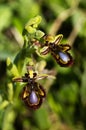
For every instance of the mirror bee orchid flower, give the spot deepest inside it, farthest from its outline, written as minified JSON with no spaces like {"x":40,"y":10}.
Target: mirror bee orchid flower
{"x":33,"y":93}
{"x":59,"y":51}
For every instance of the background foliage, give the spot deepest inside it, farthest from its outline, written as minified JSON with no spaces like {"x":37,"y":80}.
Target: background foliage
{"x":65,"y":105}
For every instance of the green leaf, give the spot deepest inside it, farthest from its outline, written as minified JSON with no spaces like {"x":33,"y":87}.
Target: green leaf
{"x":41,"y":118}
{"x":4,"y":104}
{"x":27,"y":9}
{"x":54,"y":105}
{"x":69,"y":93}
{"x":57,"y":6}
{"x":8,"y":48}
{"x":5,"y":17}
{"x":78,"y":20}
{"x":8,"y":119}
{"x":12,"y":68}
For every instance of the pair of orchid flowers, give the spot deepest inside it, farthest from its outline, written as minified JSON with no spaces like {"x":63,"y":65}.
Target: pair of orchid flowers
{"x":33,"y":93}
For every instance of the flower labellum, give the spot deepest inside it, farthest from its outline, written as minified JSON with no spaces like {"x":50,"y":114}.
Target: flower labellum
{"x":64,"y":56}
{"x":33,"y":98}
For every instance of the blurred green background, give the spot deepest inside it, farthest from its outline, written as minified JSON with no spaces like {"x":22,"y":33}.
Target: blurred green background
{"x":65,"y":105}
